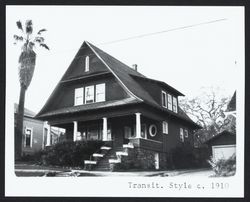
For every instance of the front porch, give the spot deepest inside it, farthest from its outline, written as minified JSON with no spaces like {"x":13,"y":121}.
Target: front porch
{"x":136,"y":129}
{"x":129,"y":138}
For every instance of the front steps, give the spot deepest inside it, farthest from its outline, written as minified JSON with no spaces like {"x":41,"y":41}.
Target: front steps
{"x":107,"y":156}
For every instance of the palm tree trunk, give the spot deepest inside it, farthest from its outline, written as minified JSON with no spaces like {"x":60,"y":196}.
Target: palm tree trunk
{"x":19,"y":126}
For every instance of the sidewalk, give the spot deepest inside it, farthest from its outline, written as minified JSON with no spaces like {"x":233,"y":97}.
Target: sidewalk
{"x":32,"y":170}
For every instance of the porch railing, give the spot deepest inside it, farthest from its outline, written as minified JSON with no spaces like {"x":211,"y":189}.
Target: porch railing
{"x":146,"y":143}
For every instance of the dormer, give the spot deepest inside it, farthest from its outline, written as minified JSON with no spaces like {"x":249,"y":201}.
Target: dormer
{"x":169,"y":101}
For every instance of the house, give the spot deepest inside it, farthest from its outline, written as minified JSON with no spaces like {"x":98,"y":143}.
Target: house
{"x":223,"y":145}
{"x":35,"y":133}
{"x":100,"y":98}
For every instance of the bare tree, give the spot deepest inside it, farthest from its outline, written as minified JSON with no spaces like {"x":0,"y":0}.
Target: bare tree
{"x":207,"y":110}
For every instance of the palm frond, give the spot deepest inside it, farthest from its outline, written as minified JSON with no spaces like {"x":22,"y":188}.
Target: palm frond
{"x":29,"y":26}
{"x":18,"y":38}
{"x":39,"y":39}
{"x":41,"y":30}
{"x":19,"y":25}
{"x":44,"y":45}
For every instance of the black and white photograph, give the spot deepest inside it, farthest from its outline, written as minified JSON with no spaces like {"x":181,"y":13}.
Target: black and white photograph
{"x":136,"y":101}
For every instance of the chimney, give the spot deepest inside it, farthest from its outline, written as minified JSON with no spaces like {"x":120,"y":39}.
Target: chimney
{"x":134,"y":66}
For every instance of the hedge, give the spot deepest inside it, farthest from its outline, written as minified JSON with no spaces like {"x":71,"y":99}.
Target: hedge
{"x":68,"y":153}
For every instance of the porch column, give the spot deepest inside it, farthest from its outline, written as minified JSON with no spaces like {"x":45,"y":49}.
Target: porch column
{"x":105,"y":129}
{"x":138,"y":125}
{"x":48,"y":143}
{"x":75,"y":131}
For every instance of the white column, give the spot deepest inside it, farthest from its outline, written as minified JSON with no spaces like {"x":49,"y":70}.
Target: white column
{"x":48,"y":143}
{"x":138,"y":125}
{"x":75,"y":131}
{"x":105,"y":129}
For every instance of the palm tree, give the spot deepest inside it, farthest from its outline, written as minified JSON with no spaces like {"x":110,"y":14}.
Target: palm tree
{"x":27,"y":61}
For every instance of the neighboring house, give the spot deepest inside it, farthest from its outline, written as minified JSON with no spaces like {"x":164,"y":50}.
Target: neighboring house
{"x":33,"y":129}
{"x":223,"y":145}
{"x":100,"y":98}
{"x":35,"y":133}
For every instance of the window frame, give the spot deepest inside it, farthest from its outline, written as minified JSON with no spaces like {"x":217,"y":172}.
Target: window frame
{"x":75,"y":100}
{"x":104,"y":92}
{"x":85,"y":95}
{"x":164,"y":94}
{"x":186,"y":133}
{"x":175,"y":104}
{"x":170,"y":102}
{"x":181,"y":134}
{"x":150,"y":130}
{"x":165,"y":127}
{"x":31,"y":137}
{"x":86,"y":64}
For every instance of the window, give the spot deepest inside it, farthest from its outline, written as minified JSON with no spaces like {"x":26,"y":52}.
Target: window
{"x":181,"y":135}
{"x":28,"y":137}
{"x":175,"y":104}
{"x":87,"y":64}
{"x":100,"y":93}
{"x":164,"y":99}
{"x":78,"y":96}
{"x":165,"y":127}
{"x":152,"y":130}
{"x":89,"y":94}
{"x":186,"y":133}
{"x":170,"y":102}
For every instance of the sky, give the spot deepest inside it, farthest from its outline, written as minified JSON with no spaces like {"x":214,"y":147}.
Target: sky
{"x":202,"y":46}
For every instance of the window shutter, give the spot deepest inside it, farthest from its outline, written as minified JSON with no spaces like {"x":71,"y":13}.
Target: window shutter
{"x":170,"y":102}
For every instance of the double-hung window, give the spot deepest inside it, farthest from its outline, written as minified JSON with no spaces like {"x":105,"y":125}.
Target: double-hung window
{"x":89,"y":94}
{"x":28,"y":137}
{"x":186,"y":133}
{"x":170,"y":102}
{"x":79,"y":96}
{"x":100,"y":93}
{"x":175,"y":104}
{"x":165,"y":127}
{"x":181,"y":135}
{"x":164,"y":99}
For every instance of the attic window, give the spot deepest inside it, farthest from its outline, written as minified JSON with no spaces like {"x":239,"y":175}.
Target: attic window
{"x":87,"y":64}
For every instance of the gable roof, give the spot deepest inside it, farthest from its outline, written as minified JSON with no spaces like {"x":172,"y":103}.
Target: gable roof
{"x":223,"y":133}
{"x":232,"y":104}
{"x":27,"y":112}
{"x":126,"y":77}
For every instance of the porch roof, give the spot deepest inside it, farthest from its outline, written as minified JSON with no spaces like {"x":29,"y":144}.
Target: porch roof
{"x":92,"y":106}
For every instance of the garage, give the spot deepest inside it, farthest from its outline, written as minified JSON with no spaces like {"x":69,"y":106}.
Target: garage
{"x":223,"y":151}
{"x":222,"y":145}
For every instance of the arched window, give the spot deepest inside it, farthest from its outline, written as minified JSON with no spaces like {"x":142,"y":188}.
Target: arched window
{"x":87,"y":64}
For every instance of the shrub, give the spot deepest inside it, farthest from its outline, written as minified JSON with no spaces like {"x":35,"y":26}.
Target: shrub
{"x":69,"y":153}
{"x":224,"y":167}
{"x":186,"y":156}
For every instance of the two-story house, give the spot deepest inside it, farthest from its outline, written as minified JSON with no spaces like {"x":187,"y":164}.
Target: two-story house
{"x":100,"y":98}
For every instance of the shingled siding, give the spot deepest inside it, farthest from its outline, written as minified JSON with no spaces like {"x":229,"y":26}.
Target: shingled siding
{"x":77,"y":67}
{"x":65,"y":98}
